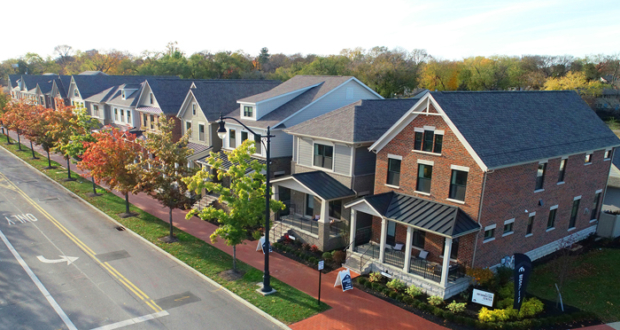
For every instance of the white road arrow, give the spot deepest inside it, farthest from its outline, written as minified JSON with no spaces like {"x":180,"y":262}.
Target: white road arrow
{"x":69,"y":260}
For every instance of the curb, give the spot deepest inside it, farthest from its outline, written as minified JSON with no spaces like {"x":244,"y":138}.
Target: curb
{"x":199,"y":274}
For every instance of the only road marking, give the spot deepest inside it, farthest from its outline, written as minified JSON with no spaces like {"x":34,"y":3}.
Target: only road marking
{"x":69,"y":260}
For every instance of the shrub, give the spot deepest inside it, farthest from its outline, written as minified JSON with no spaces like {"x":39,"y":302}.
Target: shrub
{"x":257,"y":234}
{"x":449,"y":316}
{"x":314,"y":249}
{"x":368,"y":284}
{"x":503,"y":275}
{"x":470,"y":322}
{"x":297,"y":253}
{"x":437,"y":311}
{"x":377,"y":286}
{"x":482,"y":276}
{"x":392,"y":294}
{"x":386,"y":291}
{"x":496,"y":315}
{"x":339,"y":256}
{"x":408,"y":300}
{"x":361,"y":280}
{"x":327,"y":256}
{"x":465,"y":295}
{"x":413,"y":291}
{"x":305,"y":246}
{"x":531,"y":307}
{"x":505,"y":303}
{"x":455,"y":307}
{"x":506,"y":291}
{"x":435,"y":300}
{"x":297,"y":242}
{"x":375,"y":277}
{"x":460,"y":319}
{"x":314,"y":260}
{"x":400,"y":297}
{"x":396,"y":285}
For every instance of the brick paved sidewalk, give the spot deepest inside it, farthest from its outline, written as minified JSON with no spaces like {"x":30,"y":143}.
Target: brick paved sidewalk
{"x":353,"y":309}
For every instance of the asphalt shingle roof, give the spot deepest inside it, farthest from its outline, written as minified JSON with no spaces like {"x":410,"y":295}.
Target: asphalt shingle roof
{"x":325,"y":85}
{"x":226,"y":164}
{"x":361,"y":121}
{"x":442,"y":219}
{"x":89,"y":85}
{"x":506,"y":128}
{"x":169,"y":93}
{"x":220,"y":96}
{"x":291,"y":85}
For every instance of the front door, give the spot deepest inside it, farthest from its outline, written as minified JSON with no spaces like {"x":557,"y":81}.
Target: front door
{"x":309,"y":206}
{"x":391,"y":233}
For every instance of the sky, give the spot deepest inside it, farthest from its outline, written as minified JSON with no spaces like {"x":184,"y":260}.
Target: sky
{"x":445,"y":29}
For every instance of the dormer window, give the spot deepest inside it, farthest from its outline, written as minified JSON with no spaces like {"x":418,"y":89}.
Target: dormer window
{"x":248,"y":111}
{"x":123,"y":94}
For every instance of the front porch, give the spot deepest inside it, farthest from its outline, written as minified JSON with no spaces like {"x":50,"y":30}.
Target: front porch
{"x":415,"y":240}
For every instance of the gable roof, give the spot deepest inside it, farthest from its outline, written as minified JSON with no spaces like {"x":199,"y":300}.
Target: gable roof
{"x":89,"y":85}
{"x":442,"y":219}
{"x":502,"y":129}
{"x":13,"y":80}
{"x":44,"y":82}
{"x":324,"y":85}
{"x":169,"y":93}
{"x":219,"y":96}
{"x":294,"y":84}
{"x":361,"y":121}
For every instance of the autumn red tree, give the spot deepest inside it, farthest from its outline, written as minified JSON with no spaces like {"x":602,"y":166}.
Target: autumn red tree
{"x":16,"y":118}
{"x":63,"y":126}
{"x":107,"y":160}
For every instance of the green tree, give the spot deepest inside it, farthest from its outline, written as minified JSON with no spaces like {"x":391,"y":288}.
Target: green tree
{"x":574,"y":81}
{"x":263,"y":57}
{"x":161,"y":176}
{"x":245,"y":198}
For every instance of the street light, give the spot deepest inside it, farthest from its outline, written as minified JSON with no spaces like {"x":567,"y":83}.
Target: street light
{"x":221,"y":132}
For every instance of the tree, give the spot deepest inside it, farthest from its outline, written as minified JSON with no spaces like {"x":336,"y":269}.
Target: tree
{"x":574,"y":81}
{"x":15,"y":118}
{"x":245,"y":198}
{"x":263,"y":57}
{"x":108,"y":159}
{"x":161,"y":175}
{"x":38,"y":131}
{"x":64,"y":127}
{"x":35,"y":127}
{"x":4,"y":108}
{"x":81,"y":137}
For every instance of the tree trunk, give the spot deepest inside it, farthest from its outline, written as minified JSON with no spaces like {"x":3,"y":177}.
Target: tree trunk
{"x":170,"y":213}
{"x":234,"y":258}
{"x":19,"y":142}
{"x":49,"y":161}
{"x":32,"y":148}
{"x":94,"y":186}
{"x":68,"y":169}
{"x":127,"y":203}
{"x":7,"y":137}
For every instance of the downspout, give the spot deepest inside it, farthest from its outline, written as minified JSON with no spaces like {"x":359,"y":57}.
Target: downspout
{"x":484,"y":184}
{"x":611,"y":164}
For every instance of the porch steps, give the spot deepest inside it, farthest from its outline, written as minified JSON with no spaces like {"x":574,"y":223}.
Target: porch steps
{"x":354,"y":263}
{"x":278,"y":231}
{"x":204,"y":202}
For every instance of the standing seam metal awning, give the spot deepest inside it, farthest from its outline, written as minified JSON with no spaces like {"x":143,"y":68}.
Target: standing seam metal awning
{"x":321,"y":184}
{"x":442,"y":219}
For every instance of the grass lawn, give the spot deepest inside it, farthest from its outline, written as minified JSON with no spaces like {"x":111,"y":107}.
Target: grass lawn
{"x":591,"y":285}
{"x":288,"y":305}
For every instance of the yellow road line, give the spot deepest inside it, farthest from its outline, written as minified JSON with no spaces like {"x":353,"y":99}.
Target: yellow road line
{"x":122,"y":279}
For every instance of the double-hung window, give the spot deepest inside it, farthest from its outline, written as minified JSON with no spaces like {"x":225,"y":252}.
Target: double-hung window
{"x":232,"y":139}
{"x":96,"y":110}
{"x":458,"y":185}
{"x":129,"y":116}
{"x":152,"y":122}
{"x":244,"y":136}
{"x":607,"y":154}
{"x":428,"y":140}
{"x":551,"y":219}
{"x":489,"y":233}
{"x":540,"y":176}
{"x":597,"y":200}
{"x":248,"y":111}
{"x":530,"y":224}
{"x":116,"y":114}
{"x":122,"y":115}
{"x":562,"y":170}
{"x":194,"y":109}
{"x":323,"y":156}
{"x":144,"y":120}
{"x":393,"y":173}
{"x":257,"y":143}
{"x":335,"y":209}
{"x":425,"y":174}
{"x":574,"y":212}
{"x":418,"y":238}
{"x":508,"y":227}
{"x":201,"y":132}
{"x":188,"y":126}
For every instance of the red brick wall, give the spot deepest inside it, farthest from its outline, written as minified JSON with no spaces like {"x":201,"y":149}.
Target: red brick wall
{"x":510,"y":191}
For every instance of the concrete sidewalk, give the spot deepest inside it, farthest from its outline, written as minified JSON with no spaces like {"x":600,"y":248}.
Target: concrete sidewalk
{"x":353,"y":309}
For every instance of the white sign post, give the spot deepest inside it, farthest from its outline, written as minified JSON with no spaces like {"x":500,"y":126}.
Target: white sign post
{"x":483,"y":298}
{"x":344,"y":279}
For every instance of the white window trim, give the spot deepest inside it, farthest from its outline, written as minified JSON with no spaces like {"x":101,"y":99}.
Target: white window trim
{"x":418,"y":129}
{"x":610,"y":153}
{"x":253,"y":116}
{"x":598,"y":191}
{"x":539,"y":190}
{"x":590,"y":162}
{"x":228,"y":129}
{"x":127,"y":115}
{"x":576,"y":198}
{"x":493,"y":226}
{"x":398,"y":157}
{"x":544,"y":161}
{"x":459,"y":168}
{"x":325,"y":143}
{"x":550,"y":229}
{"x":194,"y":108}
{"x":455,"y":201}
{"x":244,"y":131}
{"x":572,"y":228}
{"x":533,"y":214}
{"x":185,"y":127}
{"x":422,"y":193}
{"x":392,"y":186}
{"x":428,"y":128}
{"x":554,"y":207}
{"x":426,"y":162}
{"x":529,"y":235}
{"x":507,"y":222}
{"x":561,"y":182}
{"x":427,"y":152}
{"x":198,"y":132}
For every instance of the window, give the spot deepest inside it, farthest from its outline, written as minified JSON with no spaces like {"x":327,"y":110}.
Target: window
{"x":194,"y":109}
{"x":458,"y":185}
{"x":551,"y":220}
{"x":309,"y":205}
{"x":417,"y":145}
{"x":562,"y":170}
{"x":75,"y":93}
{"x":144,"y":119}
{"x":607,"y":154}
{"x":425,"y":173}
{"x":129,"y":116}
{"x":152,"y":121}
{"x":232,"y":139}
{"x":188,"y":126}
{"x":244,"y":136}
{"x":588,"y":158}
{"x":42,"y":101}
{"x":151,"y":98}
{"x":455,"y":248}
{"x":335,"y":208}
{"x":122,"y":115}
{"x":115,"y":114}
{"x":597,"y":199}
{"x":323,"y":156}
{"x":530,"y":224}
{"x":123,"y":94}
{"x":96,"y":110}
{"x":393,"y":174}
{"x":418,"y":238}
{"x":248,"y":111}
{"x":573,"y":213}
{"x":428,"y":141}
{"x":508,"y":227}
{"x":201,"y":132}
{"x":257,"y":143}
{"x":489,"y":233}
{"x":540,"y":176}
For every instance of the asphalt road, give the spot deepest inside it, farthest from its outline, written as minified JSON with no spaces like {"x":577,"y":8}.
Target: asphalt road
{"x":64,"y":266}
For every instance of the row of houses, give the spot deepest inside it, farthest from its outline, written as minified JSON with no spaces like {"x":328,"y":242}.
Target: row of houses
{"x":417,"y":188}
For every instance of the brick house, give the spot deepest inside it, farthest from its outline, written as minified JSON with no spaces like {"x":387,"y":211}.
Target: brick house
{"x":470,"y":178}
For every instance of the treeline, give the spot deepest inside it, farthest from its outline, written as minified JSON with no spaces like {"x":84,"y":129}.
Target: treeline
{"x":388,"y":71}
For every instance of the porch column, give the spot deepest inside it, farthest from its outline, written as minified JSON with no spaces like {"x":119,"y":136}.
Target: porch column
{"x":383,"y":238}
{"x":324,"y":212}
{"x":324,"y":226}
{"x":353,"y":228}
{"x":446,"y":262}
{"x":274,"y":192}
{"x":408,"y":249}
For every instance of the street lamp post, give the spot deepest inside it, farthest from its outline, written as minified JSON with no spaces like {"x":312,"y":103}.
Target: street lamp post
{"x":221,"y":132}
